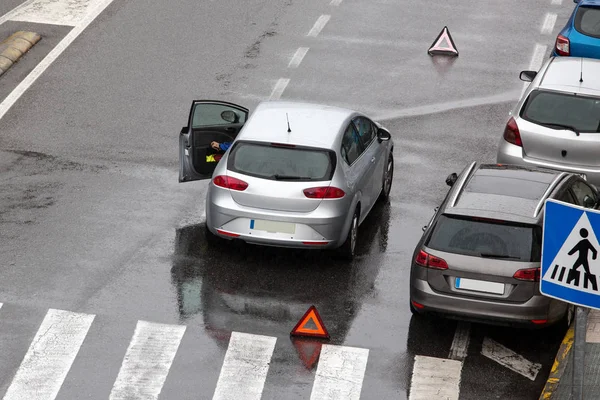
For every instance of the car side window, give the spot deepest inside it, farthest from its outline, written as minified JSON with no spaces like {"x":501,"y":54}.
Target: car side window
{"x":567,"y":197}
{"x":581,"y":189}
{"x":365,"y":130}
{"x":351,"y":145}
{"x":215,"y":115}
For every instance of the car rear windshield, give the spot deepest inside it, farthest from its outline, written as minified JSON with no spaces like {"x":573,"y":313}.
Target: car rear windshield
{"x":558,"y":110}
{"x":486,"y":238}
{"x":587,"y":21}
{"x":282,"y":162}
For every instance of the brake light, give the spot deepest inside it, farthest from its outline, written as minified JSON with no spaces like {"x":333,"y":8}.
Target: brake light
{"x":427,"y":260}
{"x":229,"y":182}
{"x":324,"y":192}
{"x":531,"y":274}
{"x":563,"y":46}
{"x":512,"y":134}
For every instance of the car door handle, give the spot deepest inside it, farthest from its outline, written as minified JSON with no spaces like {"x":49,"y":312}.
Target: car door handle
{"x":230,"y":129}
{"x":373,"y":159}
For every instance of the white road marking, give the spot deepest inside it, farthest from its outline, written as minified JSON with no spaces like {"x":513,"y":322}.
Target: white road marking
{"x":435,"y":379}
{"x":508,"y":358}
{"x":536,"y":61}
{"x":460,"y":343}
{"x":147,"y":361}
{"x":548,"y":24}
{"x":335,"y":2}
{"x":340,"y":373}
{"x":12,"y":98}
{"x":50,"y":356}
{"x":279,"y":88}
{"x":319,"y":25}
{"x":557,"y":2}
{"x":593,"y":327}
{"x":298,"y":56}
{"x":54,"y":12}
{"x":245,"y":368}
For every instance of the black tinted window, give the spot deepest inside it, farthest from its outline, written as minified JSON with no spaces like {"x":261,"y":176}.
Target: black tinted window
{"x":547,"y":108}
{"x":212,"y":115}
{"x":580,"y":190}
{"x":587,"y":21}
{"x":365,"y":130}
{"x":486,"y":238}
{"x":351,"y":145}
{"x":277,"y":162}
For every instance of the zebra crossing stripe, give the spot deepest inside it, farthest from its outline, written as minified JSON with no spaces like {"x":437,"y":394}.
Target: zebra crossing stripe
{"x":50,"y":356}
{"x":435,"y":379}
{"x":340,"y":373}
{"x":147,"y":361}
{"x":245,"y":368}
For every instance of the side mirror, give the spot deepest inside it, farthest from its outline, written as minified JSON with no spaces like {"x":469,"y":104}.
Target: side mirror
{"x":451,"y":179}
{"x":589,"y":202}
{"x":230,"y":116}
{"x":424,"y":228}
{"x":527,"y":76}
{"x":383,"y":135}
{"x":184,"y":130}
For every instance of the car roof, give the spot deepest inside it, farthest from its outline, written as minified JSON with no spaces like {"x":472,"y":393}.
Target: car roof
{"x":505,"y":192}
{"x":311,"y":124}
{"x":589,"y":3}
{"x":564,"y":73}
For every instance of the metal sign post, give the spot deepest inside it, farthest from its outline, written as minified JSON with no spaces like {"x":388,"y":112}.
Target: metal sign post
{"x":581,"y":315}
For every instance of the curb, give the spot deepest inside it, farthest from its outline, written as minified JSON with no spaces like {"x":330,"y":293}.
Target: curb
{"x":13,"y":48}
{"x":560,"y":363}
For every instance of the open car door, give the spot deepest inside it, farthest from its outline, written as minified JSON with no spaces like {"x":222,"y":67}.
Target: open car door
{"x":209,"y":120}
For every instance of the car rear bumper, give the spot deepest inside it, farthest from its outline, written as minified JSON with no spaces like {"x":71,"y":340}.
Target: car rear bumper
{"x":537,"y":308}
{"x":510,"y":154}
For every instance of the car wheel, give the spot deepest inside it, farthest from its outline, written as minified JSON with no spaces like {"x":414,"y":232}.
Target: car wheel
{"x":388,"y":178}
{"x":413,"y":310}
{"x":346,"y":251}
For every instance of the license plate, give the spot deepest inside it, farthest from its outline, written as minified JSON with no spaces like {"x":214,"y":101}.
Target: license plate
{"x":273,"y":226}
{"x":479,"y":286}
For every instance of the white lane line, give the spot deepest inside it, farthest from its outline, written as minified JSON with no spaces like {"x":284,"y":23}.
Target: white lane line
{"x":14,"y":11}
{"x":460,"y":343}
{"x":54,"y":12}
{"x":592,"y":334}
{"x":508,"y":358}
{"x":335,"y":2}
{"x":319,"y":25}
{"x":557,"y":2}
{"x":279,"y":88}
{"x":435,"y":379}
{"x":245,"y":368}
{"x":340,"y":373}
{"x":548,"y":24}
{"x":298,"y":56}
{"x":535,"y":64}
{"x":147,"y":361}
{"x":12,"y":98}
{"x":50,"y":356}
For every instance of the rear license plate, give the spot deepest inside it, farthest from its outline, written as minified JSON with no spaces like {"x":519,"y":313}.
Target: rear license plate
{"x":273,"y":226}
{"x":479,"y":286}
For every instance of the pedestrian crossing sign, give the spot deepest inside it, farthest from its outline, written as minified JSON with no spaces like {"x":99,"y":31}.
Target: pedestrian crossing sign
{"x":570,"y":254}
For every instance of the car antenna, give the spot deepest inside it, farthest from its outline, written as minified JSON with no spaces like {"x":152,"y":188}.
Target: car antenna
{"x":288,"y":121}
{"x":581,"y":72}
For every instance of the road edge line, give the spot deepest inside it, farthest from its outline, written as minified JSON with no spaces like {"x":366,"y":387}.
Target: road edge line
{"x":560,"y":363}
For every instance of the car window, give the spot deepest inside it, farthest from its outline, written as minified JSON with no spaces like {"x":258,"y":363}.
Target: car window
{"x":365,"y":130}
{"x":210,"y":115}
{"x":587,"y":21}
{"x":579,"y":112}
{"x":264,"y":160}
{"x":351,"y":145}
{"x":580,"y":190}
{"x":567,"y":197}
{"x":480,"y":237}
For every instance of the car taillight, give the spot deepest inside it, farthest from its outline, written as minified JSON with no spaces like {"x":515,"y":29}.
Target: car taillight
{"x":531,"y":274}
{"x":324,"y":192}
{"x":512,"y":134}
{"x":562,"y":46}
{"x":229,"y":182}
{"x":427,"y":260}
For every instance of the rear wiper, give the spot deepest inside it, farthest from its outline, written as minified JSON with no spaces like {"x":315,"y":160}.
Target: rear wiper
{"x":491,"y":255}
{"x":569,"y":127}
{"x":289,"y":177}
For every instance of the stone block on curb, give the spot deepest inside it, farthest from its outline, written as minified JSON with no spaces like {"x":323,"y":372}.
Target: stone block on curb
{"x":5,"y":63}
{"x":31,"y":37}
{"x":13,"y":48}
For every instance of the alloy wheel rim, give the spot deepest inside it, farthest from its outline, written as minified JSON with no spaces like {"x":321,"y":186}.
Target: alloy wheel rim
{"x":388,"y":178}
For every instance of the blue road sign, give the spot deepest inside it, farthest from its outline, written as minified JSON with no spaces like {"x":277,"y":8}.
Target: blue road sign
{"x":571,"y":254}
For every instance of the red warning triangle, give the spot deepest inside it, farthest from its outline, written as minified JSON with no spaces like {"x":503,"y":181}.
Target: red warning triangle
{"x":308,"y":351}
{"x":310,"y":325}
{"x":443,"y":44}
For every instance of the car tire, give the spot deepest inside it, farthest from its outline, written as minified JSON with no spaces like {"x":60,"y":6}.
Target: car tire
{"x":388,"y":178}
{"x":347,"y":250}
{"x":413,"y":310}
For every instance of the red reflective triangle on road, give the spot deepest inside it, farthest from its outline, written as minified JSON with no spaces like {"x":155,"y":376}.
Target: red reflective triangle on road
{"x":443,"y":44}
{"x":308,"y":351}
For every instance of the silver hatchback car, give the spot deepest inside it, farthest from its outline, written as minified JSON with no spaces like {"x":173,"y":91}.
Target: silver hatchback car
{"x":479,"y":258}
{"x":556,"y":123}
{"x":296,"y":175}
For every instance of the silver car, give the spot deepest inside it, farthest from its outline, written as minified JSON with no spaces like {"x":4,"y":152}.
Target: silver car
{"x":296,"y":175}
{"x":556,"y":123}
{"x":479,"y":256}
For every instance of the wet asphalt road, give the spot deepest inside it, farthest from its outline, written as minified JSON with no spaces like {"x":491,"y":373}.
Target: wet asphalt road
{"x":92,"y":219}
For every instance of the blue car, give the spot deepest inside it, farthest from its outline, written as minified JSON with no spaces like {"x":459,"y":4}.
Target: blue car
{"x":581,"y":35}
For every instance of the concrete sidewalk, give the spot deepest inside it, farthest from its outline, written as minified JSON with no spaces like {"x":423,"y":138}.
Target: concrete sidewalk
{"x":560,"y":381}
